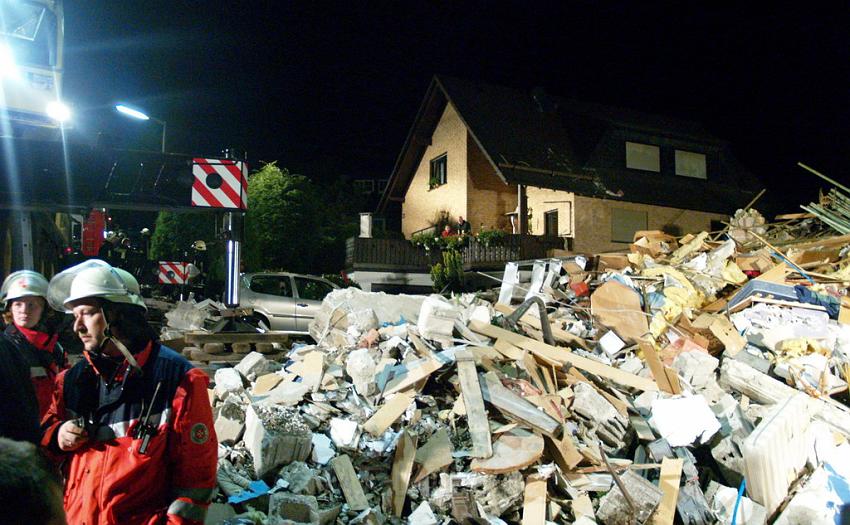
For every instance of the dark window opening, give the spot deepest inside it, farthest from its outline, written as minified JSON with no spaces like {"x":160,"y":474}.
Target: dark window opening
{"x":550,"y":223}
{"x":438,"y":171}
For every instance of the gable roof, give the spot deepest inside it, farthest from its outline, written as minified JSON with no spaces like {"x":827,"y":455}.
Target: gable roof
{"x":535,"y":139}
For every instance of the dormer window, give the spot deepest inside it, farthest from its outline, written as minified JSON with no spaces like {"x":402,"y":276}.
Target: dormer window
{"x":644,"y":157}
{"x":690,"y":164}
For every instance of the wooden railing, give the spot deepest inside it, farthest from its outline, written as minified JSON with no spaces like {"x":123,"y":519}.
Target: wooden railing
{"x":402,"y":255}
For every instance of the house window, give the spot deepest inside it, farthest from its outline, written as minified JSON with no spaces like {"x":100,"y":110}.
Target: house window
{"x":550,"y":223}
{"x":438,"y":172}
{"x":624,"y":224}
{"x":643,"y":157}
{"x":690,"y":164}
{"x":365,"y":186}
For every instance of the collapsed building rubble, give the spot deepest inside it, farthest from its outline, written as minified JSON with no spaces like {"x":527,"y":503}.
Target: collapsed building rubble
{"x":690,"y":379}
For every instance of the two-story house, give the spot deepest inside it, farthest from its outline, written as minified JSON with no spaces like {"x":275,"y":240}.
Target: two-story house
{"x":588,"y":173}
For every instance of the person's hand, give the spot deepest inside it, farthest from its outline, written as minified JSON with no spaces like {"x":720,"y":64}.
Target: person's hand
{"x":71,"y":437}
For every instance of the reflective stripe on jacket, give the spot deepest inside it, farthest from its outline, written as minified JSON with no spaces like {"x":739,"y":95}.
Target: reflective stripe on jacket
{"x":108,"y":480}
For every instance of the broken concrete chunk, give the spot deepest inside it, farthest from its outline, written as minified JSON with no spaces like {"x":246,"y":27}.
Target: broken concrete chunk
{"x":285,"y":394}
{"x":322,"y":449}
{"x":614,"y":509}
{"x":422,"y":515}
{"x":437,"y":318}
{"x":364,"y":320}
{"x":227,"y":380}
{"x":275,"y":436}
{"x":253,"y":365}
{"x":344,"y":433}
{"x":294,"y":508}
{"x":300,"y":479}
{"x":730,"y":461}
{"x":360,"y":367}
{"x":230,"y":422}
{"x":695,"y":367}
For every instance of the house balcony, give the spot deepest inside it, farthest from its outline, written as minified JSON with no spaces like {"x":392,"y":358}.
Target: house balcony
{"x":399,"y":255}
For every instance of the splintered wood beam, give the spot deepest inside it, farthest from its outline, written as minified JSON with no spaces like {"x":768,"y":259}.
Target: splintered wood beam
{"x":534,"y":504}
{"x":479,"y":425}
{"x":405,"y":453}
{"x":388,"y":413}
{"x":562,"y":356}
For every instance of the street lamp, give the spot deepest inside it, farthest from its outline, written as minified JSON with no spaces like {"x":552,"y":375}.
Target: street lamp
{"x":135,"y":113}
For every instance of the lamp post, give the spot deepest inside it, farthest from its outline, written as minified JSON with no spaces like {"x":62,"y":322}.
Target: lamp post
{"x":136,"y":114}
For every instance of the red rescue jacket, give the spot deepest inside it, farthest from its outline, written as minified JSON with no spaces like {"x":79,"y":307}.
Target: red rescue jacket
{"x":108,"y":479}
{"x":45,"y":358}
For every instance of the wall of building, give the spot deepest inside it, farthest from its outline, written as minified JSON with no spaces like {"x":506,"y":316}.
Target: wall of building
{"x":488,"y":198}
{"x":541,"y":200}
{"x":422,"y":203}
{"x":593,"y":223}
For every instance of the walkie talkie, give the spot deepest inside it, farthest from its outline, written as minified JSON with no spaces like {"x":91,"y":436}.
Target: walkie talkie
{"x":146,"y":430}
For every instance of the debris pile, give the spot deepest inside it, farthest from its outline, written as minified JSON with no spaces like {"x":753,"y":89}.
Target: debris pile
{"x":692,"y":377}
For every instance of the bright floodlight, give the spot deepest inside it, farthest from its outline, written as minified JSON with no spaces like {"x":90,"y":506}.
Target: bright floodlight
{"x":58,"y":111}
{"x":130,"y":112}
{"x":8,"y":68}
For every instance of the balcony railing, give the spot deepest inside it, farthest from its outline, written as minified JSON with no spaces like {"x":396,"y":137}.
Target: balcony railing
{"x":401,"y":255}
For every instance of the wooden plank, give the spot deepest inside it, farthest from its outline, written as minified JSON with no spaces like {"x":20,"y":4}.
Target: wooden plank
{"x":671,"y":473}
{"x":417,"y":371}
{"x":311,"y":372}
{"x":509,"y":350}
{"x":388,"y":413}
{"x":421,"y":347}
{"x":723,"y":329}
{"x":564,"y":452}
{"x":665,"y":377}
{"x":405,"y":453}
{"x":534,"y":504}
{"x":479,"y":426}
{"x":533,"y":371}
{"x":350,"y":484}
{"x":563,"y":356}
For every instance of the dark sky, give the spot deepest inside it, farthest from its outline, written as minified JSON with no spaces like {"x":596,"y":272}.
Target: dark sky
{"x":331,"y":89}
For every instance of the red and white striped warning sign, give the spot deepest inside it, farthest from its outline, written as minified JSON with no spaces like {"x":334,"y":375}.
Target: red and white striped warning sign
{"x":220,"y":183}
{"x":173,"y":272}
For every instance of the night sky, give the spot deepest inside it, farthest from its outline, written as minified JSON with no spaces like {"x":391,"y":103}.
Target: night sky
{"x":330,"y":89}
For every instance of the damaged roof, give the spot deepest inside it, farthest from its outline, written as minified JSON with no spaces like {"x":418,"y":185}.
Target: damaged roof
{"x":536,"y":139}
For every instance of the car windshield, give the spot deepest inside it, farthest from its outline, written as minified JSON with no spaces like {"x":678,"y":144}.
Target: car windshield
{"x":272,"y":285}
{"x":311,"y":289}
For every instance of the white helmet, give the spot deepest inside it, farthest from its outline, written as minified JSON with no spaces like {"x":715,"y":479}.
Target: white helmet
{"x":133,"y":288}
{"x":93,"y":278}
{"x":23,"y":283}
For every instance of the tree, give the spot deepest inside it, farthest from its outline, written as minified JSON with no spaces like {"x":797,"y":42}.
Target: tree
{"x":174,"y":233}
{"x":283,"y":226}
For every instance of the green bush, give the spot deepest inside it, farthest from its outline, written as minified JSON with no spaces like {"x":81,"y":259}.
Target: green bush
{"x":490,"y":237}
{"x":449,"y":275}
{"x":341,"y":279}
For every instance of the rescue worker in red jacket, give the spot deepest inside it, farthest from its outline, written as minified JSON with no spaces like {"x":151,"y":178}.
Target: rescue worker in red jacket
{"x":133,"y":418}
{"x":34,"y":332}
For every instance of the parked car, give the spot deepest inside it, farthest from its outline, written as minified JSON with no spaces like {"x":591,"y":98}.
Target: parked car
{"x":284,"y":301}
